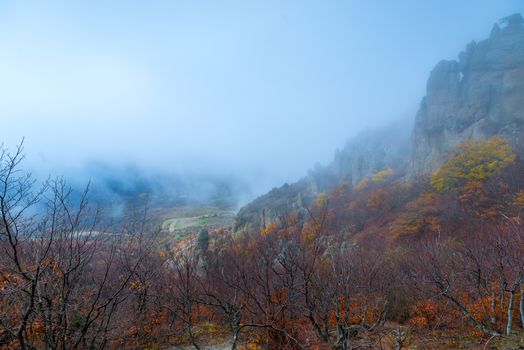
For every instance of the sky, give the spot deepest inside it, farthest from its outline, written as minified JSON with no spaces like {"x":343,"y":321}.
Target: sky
{"x":256,"y":89}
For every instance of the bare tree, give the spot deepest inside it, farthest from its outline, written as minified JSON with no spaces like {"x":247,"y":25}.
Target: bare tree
{"x":63,"y":276}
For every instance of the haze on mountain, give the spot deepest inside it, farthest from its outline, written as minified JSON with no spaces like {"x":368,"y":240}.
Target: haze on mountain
{"x":250,"y":92}
{"x":408,"y":231}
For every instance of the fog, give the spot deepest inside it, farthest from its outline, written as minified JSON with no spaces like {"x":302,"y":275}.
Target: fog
{"x":253,"y":92}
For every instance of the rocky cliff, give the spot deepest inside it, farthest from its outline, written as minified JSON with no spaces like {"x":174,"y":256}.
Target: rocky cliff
{"x":364,"y":155}
{"x":477,"y":96}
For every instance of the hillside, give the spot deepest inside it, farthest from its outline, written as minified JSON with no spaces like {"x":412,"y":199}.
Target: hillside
{"x":364,"y":155}
{"x":425,"y":227}
{"x":477,"y":97}
{"x":411,"y":238}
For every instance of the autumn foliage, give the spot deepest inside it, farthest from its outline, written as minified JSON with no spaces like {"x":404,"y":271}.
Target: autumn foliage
{"x":360,"y":267}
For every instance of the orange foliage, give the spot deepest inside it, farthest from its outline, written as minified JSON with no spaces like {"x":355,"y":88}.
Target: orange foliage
{"x":272,"y":227}
{"x":420,"y":215}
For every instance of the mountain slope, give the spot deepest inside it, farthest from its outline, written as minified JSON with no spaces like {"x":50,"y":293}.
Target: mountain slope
{"x":364,"y":155}
{"x":478,"y":96}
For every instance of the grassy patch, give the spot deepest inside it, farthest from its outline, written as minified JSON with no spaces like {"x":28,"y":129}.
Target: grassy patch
{"x":178,"y":222}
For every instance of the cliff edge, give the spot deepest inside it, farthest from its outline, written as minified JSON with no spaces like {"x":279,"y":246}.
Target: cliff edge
{"x":477,"y":96}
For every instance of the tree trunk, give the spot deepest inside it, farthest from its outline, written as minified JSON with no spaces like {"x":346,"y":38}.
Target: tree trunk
{"x":521,"y":306}
{"x":364,"y":312}
{"x":502,"y":295}
{"x":509,"y":324}
{"x":466,"y":313}
{"x":235,"y":340}
{"x":399,"y":339}
{"x":493,"y":318}
{"x":235,"y":327}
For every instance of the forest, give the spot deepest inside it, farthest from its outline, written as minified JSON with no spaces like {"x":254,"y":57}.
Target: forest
{"x":262,"y":175}
{"x":385,"y":264}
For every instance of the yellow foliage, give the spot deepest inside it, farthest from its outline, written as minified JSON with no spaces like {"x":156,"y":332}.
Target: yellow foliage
{"x":476,"y":161}
{"x":252,"y":346}
{"x":382,"y":176}
{"x":308,"y":234}
{"x":321,"y":200}
{"x":269,"y":229}
{"x":518,"y":201}
{"x":376,"y":178}
{"x":361,"y":184}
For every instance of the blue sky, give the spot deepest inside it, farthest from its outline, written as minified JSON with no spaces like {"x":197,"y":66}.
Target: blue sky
{"x":257,"y":88}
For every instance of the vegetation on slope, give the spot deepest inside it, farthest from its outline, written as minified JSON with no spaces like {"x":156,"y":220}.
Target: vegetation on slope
{"x":386,"y":264}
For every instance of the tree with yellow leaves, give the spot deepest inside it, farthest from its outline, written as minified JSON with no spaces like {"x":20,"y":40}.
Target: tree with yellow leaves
{"x":471,"y":174}
{"x":476,"y":161}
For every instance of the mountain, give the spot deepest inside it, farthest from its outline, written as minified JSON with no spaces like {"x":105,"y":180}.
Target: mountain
{"x":477,"y":96}
{"x":364,"y":155}
{"x":121,"y":190}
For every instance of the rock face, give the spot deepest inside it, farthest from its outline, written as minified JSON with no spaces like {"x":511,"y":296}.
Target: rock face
{"x":362,"y":156}
{"x":273,"y":206}
{"x":477,"y":96}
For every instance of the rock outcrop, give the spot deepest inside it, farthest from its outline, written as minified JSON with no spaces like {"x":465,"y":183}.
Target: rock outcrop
{"x":362,"y":156}
{"x":477,"y":96}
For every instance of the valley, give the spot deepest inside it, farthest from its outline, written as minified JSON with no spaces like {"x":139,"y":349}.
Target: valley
{"x":410,"y":237}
